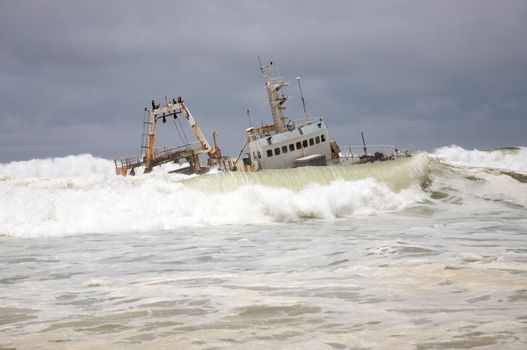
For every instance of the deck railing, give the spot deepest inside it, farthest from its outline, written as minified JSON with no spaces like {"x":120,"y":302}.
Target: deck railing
{"x":353,"y":153}
{"x":160,"y":154}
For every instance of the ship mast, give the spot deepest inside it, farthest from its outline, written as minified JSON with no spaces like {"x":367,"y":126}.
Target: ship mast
{"x":273,"y":85}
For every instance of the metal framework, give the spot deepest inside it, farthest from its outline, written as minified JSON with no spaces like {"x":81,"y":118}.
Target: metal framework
{"x":151,"y":157}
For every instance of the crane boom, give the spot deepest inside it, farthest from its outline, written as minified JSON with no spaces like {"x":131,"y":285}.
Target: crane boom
{"x":151,"y":156}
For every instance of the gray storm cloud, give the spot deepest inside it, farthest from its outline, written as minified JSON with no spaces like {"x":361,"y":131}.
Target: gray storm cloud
{"x":75,"y":75}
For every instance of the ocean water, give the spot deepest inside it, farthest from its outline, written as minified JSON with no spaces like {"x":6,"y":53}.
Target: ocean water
{"x":428,"y":252}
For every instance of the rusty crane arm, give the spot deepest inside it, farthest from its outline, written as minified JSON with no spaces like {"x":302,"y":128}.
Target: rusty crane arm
{"x":152,"y":157}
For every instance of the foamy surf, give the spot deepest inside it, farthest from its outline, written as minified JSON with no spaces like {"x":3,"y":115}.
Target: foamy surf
{"x":514,"y":158}
{"x":80,"y":194}
{"x":475,"y":178}
{"x":336,"y":257}
{"x":97,"y":205}
{"x":60,"y":167}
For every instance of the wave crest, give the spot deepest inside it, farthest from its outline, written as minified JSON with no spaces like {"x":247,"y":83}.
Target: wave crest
{"x":32,"y":207}
{"x":60,"y":167}
{"x":514,"y":159}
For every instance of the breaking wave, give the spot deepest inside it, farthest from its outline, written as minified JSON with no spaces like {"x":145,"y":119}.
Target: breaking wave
{"x":514,"y":158}
{"x":64,"y":203}
{"x":69,"y":166}
{"x":81,"y":194}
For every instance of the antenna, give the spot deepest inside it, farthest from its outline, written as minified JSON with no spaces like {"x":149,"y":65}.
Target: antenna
{"x":302,"y":96}
{"x":363,"y":143}
{"x":249,"y":117}
{"x":260,"y":63}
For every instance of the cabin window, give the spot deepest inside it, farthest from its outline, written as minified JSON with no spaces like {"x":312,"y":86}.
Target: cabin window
{"x":298,"y":145}
{"x":254,"y":155}
{"x":259,"y":155}
{"x":323,"y":138}
{"x":284,"y":149}
{"x":277,"y":151}
{"x":317,"y":139}
{"x":269,"y":153}
{"x":311,"y":142}
{"x":304,"y":143}
{"x":292,"y":147}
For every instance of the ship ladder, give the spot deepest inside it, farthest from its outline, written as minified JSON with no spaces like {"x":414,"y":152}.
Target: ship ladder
{"x":147,"y":126}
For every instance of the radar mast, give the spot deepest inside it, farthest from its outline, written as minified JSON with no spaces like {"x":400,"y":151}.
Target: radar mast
{"x":273,"y":85}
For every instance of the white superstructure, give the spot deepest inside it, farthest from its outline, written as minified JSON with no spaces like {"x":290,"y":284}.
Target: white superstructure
{"x":279,"y":145}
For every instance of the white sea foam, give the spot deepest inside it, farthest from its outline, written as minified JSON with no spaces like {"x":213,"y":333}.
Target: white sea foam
{"x":506,"y":159}
{"x":30,"y":207}
{"x":460,"y":249}
{"x":81,"y":194}
{"x":83,"y":165}
{"x":69,"y":166}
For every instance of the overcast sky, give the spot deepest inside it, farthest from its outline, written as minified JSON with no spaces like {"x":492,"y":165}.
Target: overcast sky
{"x":75,"y":76}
